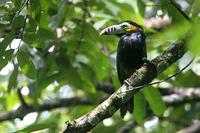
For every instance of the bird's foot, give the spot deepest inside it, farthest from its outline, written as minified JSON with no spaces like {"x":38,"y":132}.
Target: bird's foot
{"x":145,"y":60}
{"x":129,"y":87}
{"x":127,"y":82}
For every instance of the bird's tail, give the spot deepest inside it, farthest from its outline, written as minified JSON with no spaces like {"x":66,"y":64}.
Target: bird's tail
{"x":127,"y":107}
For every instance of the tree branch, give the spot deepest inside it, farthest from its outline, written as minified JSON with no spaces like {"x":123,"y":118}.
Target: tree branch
{"x":194,"y":128}
{"x":21,"y":98}
{"x":105,"y":87}
{"x":182,"y":95}
{"x":187,"y":96}
{"x":142,"y":76}
{"x":65,"y":102}
{"x":127,"y":127}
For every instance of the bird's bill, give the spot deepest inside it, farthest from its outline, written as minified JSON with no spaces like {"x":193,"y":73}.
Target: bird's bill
{"x":112,"y":30}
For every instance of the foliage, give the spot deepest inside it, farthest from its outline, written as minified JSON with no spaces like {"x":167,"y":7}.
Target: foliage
{"x":52,"y":49}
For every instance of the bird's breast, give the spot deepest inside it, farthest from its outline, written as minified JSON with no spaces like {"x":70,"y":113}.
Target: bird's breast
{"x":131,"y":50}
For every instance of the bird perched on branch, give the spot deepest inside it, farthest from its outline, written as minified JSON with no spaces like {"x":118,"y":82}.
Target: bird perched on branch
{"x":131,"y":53}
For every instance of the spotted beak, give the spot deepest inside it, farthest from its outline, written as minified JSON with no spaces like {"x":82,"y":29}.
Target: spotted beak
{"x":112,"y":30}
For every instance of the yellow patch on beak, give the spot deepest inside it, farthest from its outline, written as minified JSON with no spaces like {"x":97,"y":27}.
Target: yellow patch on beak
{"x":132,"y":28}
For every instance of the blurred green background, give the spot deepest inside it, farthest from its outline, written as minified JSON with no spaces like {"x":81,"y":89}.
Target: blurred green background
{"x":51,"y":49}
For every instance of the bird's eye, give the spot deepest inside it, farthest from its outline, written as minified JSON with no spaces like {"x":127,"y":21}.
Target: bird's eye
{"x":124,"y":26}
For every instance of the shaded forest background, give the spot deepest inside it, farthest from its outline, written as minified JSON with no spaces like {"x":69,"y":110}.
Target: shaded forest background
{"x":55,"y":67}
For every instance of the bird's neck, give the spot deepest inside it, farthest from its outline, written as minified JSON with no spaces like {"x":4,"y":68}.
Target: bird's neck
{"x":128,"y":33}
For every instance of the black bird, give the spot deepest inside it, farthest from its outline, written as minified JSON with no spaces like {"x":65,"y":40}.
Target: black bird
{"x":131,"y":53}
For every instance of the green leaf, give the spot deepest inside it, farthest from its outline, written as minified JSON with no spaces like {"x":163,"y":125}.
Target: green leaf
{"x":88,"y":76}
{"x":6,"y":41}
{"x":90,"y":32}
{"x":32,"y":39}
{"x":18,"y":4}
{"x":7,"y":56}
{"x":139,"y":107}
{"x":35,"y":9}
{"x":154,"y":99}
{"x":193,"y":43}
{"x":44,"y":81}
{"x":195,"y":8}
{"x":31,"y":25}
{"x":36,"y":127}
{"x":73,"y":77}
{"x":110,"y":5}
{"x":13,"y":79}
{"x":141,"y":7}
{"x":65,"y":11}
{"x":3,"y":63}
{"x":18,"y":22}
{"x":174,"y":32}
{"x":44,"y":20}
{"x":26,"y":65}
{"x":46,"y":34}
{"x":11,"y":101}
{"x":126,"y":8}
{"x":38,"y":39}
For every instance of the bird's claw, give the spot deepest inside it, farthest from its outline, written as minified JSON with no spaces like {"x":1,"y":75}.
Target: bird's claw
{"x":127,"y":82}
{"x":145,"y":59}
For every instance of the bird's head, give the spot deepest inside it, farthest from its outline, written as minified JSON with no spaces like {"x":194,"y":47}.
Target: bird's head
{"x":122,"y":28}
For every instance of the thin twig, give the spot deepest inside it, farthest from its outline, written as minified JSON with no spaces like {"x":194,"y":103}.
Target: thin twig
{"x":22,"y":7}
{"x":24,"y":24}
{"x":21,"y":98}
{"x":174,"y":75}
{"x":81,"y":38}
{"x":181,"y":12}
{"x":178,"y":8}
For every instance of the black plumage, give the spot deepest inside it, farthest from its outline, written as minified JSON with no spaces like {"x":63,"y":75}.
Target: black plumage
{"x":130,"y":53}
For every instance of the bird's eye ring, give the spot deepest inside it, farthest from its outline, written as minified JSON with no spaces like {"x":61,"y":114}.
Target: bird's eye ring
{"x":124,"y":26}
